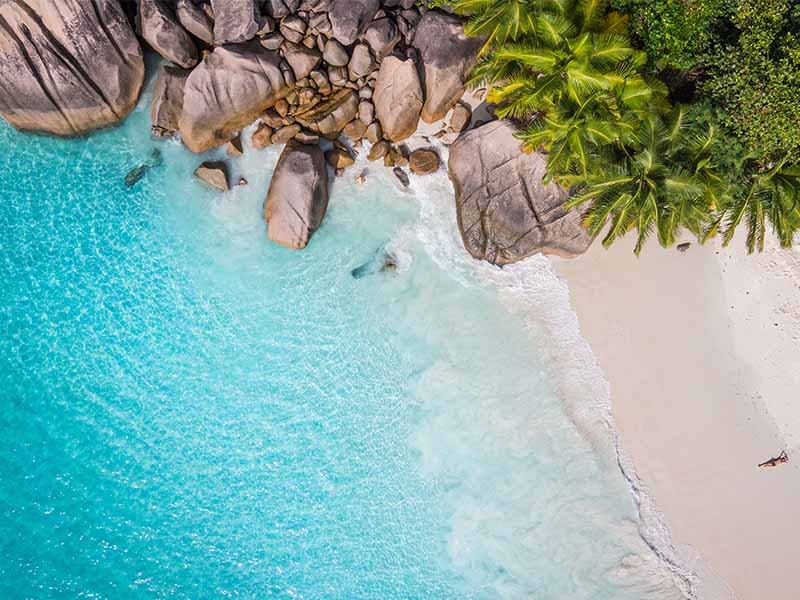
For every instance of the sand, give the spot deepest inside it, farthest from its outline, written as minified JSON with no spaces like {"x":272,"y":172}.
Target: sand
{"x":702,"y":355}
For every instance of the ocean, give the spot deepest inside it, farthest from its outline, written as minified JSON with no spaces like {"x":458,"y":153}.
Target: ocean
{"x":190,"y":411}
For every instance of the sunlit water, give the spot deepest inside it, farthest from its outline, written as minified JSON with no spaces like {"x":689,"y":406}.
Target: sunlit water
{"x":189,"y":411}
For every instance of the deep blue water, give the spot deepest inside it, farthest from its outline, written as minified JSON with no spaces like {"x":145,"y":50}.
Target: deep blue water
{"x":189,"y":411}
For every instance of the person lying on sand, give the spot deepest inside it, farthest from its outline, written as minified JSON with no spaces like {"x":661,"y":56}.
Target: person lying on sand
{"x":774,"y":462}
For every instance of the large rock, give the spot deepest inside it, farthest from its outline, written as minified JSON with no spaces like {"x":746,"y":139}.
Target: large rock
{"x":298,"y":195}
{"x":235,"y":20}
{"x":228,"y":90}
{"x":447,"y":56}
{"x":65,"y":67}
{"x":505,"y":212}
{"x":350,"y":18}
{"x":167,"y":104}
{"x":161,"y":29}
{"x":398,"y":98}
{"x":195,"y":20}
{"x":382,"y":35}
{"x":329,"y":118}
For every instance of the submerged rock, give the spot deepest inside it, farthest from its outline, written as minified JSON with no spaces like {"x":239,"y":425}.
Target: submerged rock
{"x":139,"y":171}
{"x":298,"y":195}
{"x":381,"y":261}
{"x":402,"y":176}
{"x":505,"y":212}
{"x":65,"y":69}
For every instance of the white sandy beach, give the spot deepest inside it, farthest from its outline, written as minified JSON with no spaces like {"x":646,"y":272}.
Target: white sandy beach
{"x":701,"y":350}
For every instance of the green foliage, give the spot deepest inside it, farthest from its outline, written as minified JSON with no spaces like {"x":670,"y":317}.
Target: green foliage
{"x":559,"y":67}
{"x":757,"y":78}
{"x":765,"y":195}
{"x":675,"y":33}
{"x":663,"y":180}
{"x":572,"y":133}
{"x":502,"y":21}
{"x":566,"y":71}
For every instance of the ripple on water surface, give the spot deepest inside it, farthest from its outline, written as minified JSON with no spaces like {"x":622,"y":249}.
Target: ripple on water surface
{"x":190,"y":411}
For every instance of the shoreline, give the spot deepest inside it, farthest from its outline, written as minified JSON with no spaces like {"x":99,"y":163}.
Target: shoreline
{"x":533,"y":291}
{"x":695,"y":431}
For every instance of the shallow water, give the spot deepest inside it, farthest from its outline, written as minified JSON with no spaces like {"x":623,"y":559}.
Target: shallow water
{"x":190,"y":411}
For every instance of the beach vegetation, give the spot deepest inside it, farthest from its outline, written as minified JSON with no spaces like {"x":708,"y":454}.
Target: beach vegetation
{"x":659,"y":181}
{"x":595,"y":84}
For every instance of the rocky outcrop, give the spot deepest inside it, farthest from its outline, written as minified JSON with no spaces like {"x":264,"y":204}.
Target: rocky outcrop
{"x":235,"y":21}
{"x":297,"y":197}
{"x":167,"y":104}
{"x":447,"y":55}
{"x":228,"y":90}
{"x":350,"y":18}
{"x":195,"y":20}
{"x":161,"y":29}
{"x":505,"y":212}
{"x":65,"y":69}
{"x":398,"y":98}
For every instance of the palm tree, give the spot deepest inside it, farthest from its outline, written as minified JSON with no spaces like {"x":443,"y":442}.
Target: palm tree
{"x":769,"y":194}
{"x":662,"y":181}
{"x":572,"y":133}
{"x":503,"y":21}
{"x":562,"y":64}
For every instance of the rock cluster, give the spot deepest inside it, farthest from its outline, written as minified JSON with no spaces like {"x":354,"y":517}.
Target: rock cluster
{"x":309,"y":68}
{"x":317,"y":75}
{"x":306,"y":70}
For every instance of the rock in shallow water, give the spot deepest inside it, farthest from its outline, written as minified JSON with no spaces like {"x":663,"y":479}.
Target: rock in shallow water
{"x":423,"y":161}
{"x":66,"y":69}
{"x":214,"y":174}
{"x":505,"y":212}
{"x":298,"y":196}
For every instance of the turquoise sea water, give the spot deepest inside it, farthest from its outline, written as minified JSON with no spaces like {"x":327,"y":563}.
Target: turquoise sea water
{"x":189,"y":411}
